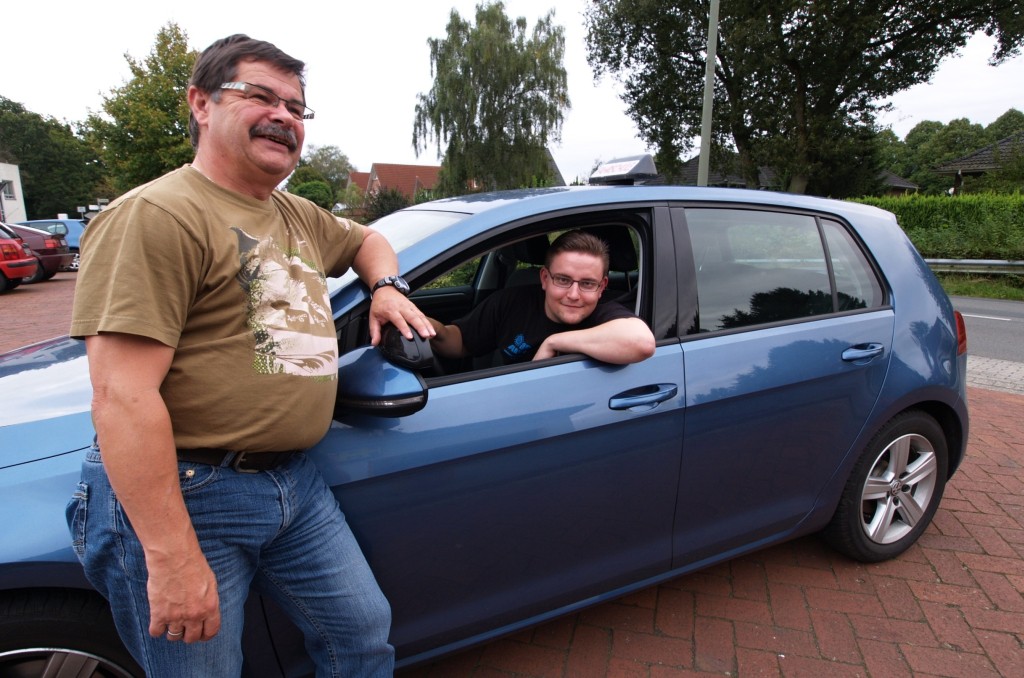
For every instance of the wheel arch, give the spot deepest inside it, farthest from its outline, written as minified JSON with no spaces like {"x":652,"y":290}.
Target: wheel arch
{"x":952,"y":426}
{"x":950,"y":420}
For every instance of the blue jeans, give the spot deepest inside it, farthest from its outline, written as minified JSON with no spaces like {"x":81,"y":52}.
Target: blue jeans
{"x":280,"y":532}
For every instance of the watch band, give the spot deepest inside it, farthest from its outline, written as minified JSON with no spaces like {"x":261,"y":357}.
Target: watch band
{"x":396,"y":281}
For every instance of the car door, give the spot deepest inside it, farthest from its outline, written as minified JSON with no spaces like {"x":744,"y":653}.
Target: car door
{"x":793,"y":343}
{"x":515,"y":491}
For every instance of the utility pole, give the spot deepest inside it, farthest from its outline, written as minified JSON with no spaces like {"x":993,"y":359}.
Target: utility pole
{"x":709,"y":97}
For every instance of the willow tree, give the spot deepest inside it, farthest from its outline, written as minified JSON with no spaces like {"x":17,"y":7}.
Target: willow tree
{"x":792,"y":77}
{"x":498,"y":99}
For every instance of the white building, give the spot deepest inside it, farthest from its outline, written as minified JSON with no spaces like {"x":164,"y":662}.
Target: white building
{"x":12,"y":201}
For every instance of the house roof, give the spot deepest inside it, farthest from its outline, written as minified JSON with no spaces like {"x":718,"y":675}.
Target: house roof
{"x":985,"y":159}
{"x":360,"y":179}
{"x":718,"y":177}
{"x":895,"y":181}
{"x":406,"y":179}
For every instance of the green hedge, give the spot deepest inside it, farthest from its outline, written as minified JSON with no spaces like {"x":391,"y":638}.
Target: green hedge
{"x":973,"y":226}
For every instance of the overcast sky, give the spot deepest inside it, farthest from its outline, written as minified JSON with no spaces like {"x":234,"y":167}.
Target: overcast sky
{"x":367,"y":61}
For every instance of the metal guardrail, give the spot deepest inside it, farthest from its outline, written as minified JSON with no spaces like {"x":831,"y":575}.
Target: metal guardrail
{"x":990,"y":266}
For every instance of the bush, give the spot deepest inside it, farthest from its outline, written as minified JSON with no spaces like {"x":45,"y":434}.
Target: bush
{"x":318,"y":192}
{"x":976,"y":226}
{"x":383,"y":203}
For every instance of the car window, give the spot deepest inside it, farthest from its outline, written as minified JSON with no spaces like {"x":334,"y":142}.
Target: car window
{"x":755,"y":267}
{"x":516,"y":259}
{"x":460,"y":276}
{"x":857,"y":286}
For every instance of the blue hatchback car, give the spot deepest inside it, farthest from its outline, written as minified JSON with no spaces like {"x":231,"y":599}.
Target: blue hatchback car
{"x":809,"y":376}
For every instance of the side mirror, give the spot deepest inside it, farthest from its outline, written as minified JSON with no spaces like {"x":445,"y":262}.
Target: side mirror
{"x":415,"y":354}
{"x":368,"y":383}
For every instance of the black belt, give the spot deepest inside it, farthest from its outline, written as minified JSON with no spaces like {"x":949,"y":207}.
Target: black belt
{"x":244,"y":462}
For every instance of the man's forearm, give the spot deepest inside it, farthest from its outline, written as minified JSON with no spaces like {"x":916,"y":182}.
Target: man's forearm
{"x":447,"y":340}
{"x":619,"y":342}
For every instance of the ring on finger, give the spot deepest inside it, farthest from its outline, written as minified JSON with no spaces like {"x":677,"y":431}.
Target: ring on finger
{"x":173,"y":634}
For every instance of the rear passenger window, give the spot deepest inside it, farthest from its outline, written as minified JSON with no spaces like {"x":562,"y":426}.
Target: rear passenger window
{"x":755,"y":267}
{"x":856,"y":283}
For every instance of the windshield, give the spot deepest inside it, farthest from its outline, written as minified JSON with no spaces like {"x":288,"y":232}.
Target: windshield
{"x":402,"y":230}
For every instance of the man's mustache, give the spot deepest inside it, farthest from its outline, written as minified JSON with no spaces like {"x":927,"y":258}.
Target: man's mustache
{"x":278,"y":133}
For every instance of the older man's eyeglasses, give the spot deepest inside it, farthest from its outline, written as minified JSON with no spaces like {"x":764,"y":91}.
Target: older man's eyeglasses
{"x":259,"y":94}
{"x":565,"y":282}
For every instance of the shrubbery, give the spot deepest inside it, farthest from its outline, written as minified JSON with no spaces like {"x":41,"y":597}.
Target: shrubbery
{"x":974,"y":226}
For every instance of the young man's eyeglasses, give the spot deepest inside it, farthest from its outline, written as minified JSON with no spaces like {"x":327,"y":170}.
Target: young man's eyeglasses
{"x":565,"y":282}
{"x":267,"y":97}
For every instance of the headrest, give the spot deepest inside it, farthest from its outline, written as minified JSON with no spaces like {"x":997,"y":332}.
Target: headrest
{"x":621,"y":254}
{"x":530,"y":251}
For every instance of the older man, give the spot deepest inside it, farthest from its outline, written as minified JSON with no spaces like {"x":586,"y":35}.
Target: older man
{"x":212,"y":352}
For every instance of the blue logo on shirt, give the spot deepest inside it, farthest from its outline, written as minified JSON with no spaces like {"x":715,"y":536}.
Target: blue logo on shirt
{"x":517,"y":347}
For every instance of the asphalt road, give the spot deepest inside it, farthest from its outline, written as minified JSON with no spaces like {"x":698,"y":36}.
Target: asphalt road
{"x":995,"y":328}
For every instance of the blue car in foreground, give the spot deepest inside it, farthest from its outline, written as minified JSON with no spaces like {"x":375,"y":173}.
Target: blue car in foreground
{"x":809,"y":377}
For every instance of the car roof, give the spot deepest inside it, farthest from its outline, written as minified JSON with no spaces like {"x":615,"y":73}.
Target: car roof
{"x":538,"y":200}
{"x":30,"y":229}
{"x":29,"y":222}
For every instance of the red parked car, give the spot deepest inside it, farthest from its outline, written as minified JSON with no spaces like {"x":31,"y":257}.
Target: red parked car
{"x":15,"y":261}
{"x":50,"y":250}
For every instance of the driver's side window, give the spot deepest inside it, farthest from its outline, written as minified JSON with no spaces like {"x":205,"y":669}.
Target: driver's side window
{"x":516,"y":262}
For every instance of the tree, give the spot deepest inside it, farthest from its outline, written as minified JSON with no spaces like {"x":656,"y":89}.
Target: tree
{"x":352,"y":198}
{"x":498,"y":99}
{"x":932,"y":143}
{"x":59,"y":170}
{"x":790,"y":75}
{"x":145,"y":133}
{"x":1005,"y":125}
{"x":303,"y":174}
{"x":330,"y":163}
{"x":318,"y":192}
{"x":383,"y":203}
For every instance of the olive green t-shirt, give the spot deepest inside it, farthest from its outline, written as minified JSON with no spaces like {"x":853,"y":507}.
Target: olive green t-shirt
{"x":237,"y":286}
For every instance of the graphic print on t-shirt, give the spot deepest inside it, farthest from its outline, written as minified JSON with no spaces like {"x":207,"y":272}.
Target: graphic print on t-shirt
{"x":517,"y":347}
{"x":288,"y":310}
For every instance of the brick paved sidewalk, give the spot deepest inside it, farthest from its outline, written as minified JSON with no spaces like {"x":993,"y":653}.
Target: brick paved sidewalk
{"x":953,"y":605}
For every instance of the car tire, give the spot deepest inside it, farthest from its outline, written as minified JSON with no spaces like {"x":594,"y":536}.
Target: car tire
{"x":894,"y":490}
{"x":8,"y":284}
{"x":39,"y":276}
{"x":51,"y":632}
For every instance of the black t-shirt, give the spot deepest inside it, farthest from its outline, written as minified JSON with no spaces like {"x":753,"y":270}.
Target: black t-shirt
{"x":513,"y":321}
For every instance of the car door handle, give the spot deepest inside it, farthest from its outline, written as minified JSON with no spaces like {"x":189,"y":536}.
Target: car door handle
{"x":862,"y":352}
{"x":644,"y":397}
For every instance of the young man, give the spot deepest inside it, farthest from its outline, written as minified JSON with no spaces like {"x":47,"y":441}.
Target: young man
{"x":565,"y":316}
{"x":202,"y":299}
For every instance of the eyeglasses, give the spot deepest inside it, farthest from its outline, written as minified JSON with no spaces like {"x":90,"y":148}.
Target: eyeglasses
{"x":565,"y":282}
{"x":269,"y":98}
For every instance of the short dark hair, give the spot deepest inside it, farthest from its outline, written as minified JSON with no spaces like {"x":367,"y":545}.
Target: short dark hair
{"x":218,"y":64}
{"x":582,"y":242}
